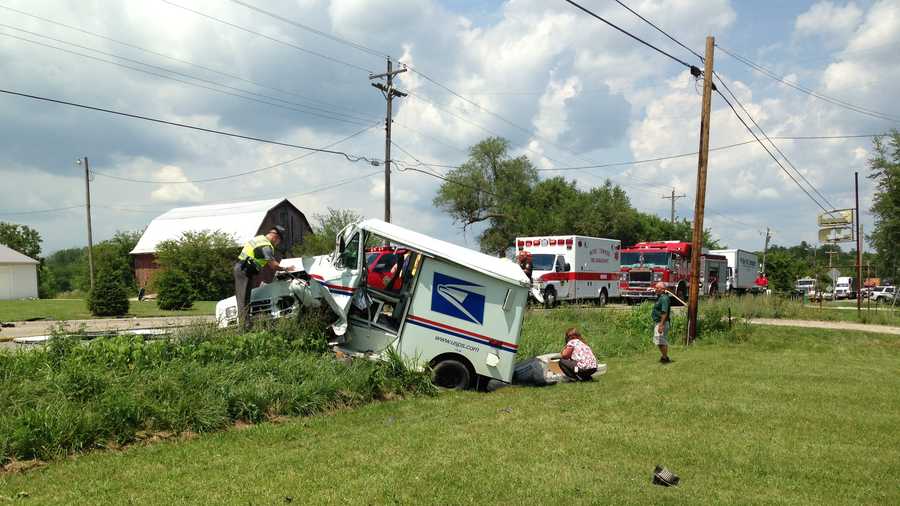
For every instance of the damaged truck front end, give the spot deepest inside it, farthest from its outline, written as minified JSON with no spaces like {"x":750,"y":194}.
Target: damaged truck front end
{"x":446,"y":307}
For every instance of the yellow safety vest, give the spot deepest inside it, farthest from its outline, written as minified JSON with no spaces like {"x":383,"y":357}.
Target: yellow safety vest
{"x":253,"y":250}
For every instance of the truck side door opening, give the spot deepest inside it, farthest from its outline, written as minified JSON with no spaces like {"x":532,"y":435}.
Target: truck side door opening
{"x":385,"y":302}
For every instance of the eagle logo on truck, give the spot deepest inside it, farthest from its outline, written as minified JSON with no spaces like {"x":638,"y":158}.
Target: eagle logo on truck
{"x":458,"y":298}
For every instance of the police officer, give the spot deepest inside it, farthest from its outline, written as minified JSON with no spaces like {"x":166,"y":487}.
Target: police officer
{"x":255,"y":256}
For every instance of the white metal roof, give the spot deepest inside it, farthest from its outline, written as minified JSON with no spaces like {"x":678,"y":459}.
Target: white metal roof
{"x":240,"y":220}
{"x":499,"y":268}
{"x":11,"y":256}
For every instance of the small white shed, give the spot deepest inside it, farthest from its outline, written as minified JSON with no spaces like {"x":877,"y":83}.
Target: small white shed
{"x":18,"y":275}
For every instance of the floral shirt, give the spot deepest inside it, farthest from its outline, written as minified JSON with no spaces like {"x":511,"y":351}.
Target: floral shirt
{"x":582,"y":354}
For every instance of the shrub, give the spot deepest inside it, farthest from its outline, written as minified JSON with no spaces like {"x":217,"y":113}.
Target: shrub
{"x":108,"y":298}
{"x":175,"y":290}
{"x":207,"y":259}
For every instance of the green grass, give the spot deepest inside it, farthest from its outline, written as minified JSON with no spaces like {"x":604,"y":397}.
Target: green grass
{"x":76,"y":309}
{"x":786,"y":416}
{"x":784,"y":308}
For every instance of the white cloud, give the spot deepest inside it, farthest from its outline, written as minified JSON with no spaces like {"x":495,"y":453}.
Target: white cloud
{"x":183,"y":191}
{"x":827,"y":19}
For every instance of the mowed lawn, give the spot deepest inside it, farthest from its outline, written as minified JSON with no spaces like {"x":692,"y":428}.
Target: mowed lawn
{"x":76,"y":309}
{"x":788,"y":416}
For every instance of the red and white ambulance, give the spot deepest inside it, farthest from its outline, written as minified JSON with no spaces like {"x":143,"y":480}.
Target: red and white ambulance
{"x":572,"y":267}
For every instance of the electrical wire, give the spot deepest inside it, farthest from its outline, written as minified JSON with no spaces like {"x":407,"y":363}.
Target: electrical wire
{"x":313,"y":30}
{"x":37,"y":211}
{"x":231,"y":176}
{"x":635,"y":37}
{"x":733,"y":96}
{"x":741,"y":119}
{"x":812,"y":93}
{"x":660,"y":30}
{"x":352,"y":158}
{"x":332,"y":116}
{"x":273,"y":39}
{"x":179,"y":60}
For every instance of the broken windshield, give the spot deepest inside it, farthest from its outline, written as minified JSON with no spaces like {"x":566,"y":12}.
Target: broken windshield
{"x":646,"y":258}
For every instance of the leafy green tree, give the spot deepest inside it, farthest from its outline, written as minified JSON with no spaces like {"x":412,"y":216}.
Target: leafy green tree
{"x":21,"y":238}
{"x":885,"y":173}
{"x":67,"y":267}
{"x":175,"y":291}
{"x":114,"y":256}
{"x":322,"y":240}
{"x":490,"y":188}
{"x":108,"y":298}
{"x":206,"y":259}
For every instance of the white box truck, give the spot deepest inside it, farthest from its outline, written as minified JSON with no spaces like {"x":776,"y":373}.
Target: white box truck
{"x":572,"y":267}
{"x":456,"y":310}
{"x":743,"y":269}
{"x":845,"y":288}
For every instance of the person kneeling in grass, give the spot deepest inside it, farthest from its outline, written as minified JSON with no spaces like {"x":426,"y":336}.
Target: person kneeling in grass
{"x":578,"y":361}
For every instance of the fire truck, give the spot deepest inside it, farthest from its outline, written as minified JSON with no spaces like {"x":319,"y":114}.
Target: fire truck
{"x":572,"y":267}
{"x":647,"y":263}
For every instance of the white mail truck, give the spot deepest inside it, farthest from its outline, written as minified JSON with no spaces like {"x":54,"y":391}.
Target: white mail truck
{"x":456,"y":310}
{"x":572,"y":267}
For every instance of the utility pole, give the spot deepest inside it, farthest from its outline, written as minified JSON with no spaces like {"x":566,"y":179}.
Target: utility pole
{"x":858,"y":250}
{"x":87,"y":206}
{"x":766,"y":249}
{"x":389,"y":93}
{"x":700,"y":195}
{"x":674,"y":197}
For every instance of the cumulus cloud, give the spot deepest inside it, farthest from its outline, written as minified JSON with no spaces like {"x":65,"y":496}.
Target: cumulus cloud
{"x":179,"y":190}
{"x":828,"y":19}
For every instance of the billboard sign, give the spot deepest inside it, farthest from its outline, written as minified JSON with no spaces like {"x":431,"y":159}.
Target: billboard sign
{"x":834,"y":235}
{"x":836,"y":218}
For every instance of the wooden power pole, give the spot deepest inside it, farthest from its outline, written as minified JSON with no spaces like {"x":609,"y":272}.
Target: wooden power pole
{"x":766,"y":249}
{"x":389,"y":93}
{"x":87,"y":205}
{"x":700,"y":195}
{"x":673,"y":197}
{"x":858,"y":249}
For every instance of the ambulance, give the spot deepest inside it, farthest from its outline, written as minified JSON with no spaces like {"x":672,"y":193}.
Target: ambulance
{"x":453,"y":309}
{"x":572,"y":267}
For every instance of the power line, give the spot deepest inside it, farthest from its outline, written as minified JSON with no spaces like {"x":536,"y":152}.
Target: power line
{"x":273,"y":39}
{"x":635,"y":37}
{"x":37,"y":211}
{"x":771,"y":142}
{"x":352,"y":158}
{"x":314,"y":30}
{"x":769,"y":152}
{"x":231,"y":176}
{"x":660,"y":30}
{"x":812,"y":93}
{"x":334,"y":116}
{"x":179,"y":60}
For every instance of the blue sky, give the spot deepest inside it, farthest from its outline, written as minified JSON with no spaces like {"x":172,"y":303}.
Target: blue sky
{"x":576,"y":92}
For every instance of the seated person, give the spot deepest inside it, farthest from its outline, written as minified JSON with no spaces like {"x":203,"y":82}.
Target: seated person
{"x":578,"y":361}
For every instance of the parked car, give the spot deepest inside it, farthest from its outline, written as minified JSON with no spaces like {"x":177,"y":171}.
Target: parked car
{"x":884,"y":294}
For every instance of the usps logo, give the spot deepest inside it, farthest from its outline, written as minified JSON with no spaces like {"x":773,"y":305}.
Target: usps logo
{"x":457,"y":298}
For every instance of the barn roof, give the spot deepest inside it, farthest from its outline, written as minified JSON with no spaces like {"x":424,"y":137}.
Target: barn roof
{"x":11,"y":256}
{"x":240,"y":220}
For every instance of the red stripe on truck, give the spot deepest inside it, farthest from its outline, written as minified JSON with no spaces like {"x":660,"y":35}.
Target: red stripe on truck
{"x":580,"y":276}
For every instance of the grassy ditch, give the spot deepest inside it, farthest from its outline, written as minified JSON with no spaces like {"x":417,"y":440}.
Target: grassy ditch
{"x":784,"y":308}
{"x":69,"y":397}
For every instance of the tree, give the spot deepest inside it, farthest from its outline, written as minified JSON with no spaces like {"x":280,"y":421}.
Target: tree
{"x":175,"y":290}
{"x":489,"y":188}
{"x":885,"y":173}
{"x":205,"y":258}
{"x":322,"y":240}
{"x":108,"y":298}
{"x":21,"y":238}
{"x":114,"y":256}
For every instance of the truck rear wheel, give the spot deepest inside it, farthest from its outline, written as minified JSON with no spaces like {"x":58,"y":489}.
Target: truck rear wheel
{"x":451,"y":374}
{"x":603,"y":299}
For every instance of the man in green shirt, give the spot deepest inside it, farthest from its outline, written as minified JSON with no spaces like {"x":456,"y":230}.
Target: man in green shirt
{"x":660,"y":314}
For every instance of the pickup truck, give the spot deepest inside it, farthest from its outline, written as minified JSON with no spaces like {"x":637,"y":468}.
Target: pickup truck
{"x":883,"y":294}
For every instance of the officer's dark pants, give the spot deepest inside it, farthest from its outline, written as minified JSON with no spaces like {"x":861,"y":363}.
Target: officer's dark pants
{"x":243,"y":284}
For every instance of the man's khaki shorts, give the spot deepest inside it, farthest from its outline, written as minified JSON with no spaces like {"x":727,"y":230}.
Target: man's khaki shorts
{"x":660,"y":339}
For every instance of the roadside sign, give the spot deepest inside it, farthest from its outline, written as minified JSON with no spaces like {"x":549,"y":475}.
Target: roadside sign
{"x":836,"y":218}
{"x":834,"y":235}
